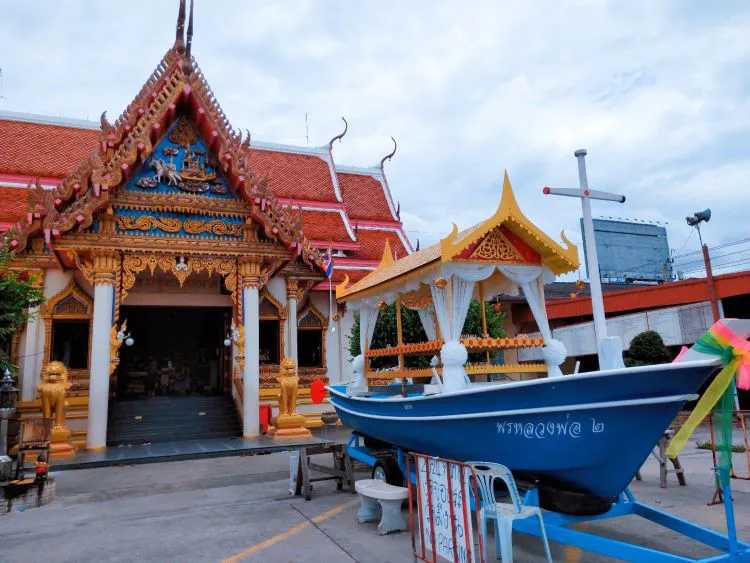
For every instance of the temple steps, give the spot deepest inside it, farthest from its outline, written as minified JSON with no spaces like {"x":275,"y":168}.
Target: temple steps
{"x":163,"y":419}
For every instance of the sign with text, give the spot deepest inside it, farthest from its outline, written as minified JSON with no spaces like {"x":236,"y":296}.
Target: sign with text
{"x":444,"y":521}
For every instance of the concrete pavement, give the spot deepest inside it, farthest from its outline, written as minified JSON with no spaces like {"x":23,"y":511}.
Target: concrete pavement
{"x":238,"y":509}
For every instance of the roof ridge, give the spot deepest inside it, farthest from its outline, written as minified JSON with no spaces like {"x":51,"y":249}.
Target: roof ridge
{"x":41,"y":119}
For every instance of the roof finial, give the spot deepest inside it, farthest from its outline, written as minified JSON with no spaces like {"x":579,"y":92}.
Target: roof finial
{"x":389,"y":156}
{"x":179,"y":39}
{"x":189,"y":33}
{"x":340,"y":135}
{"x":417,"y":249}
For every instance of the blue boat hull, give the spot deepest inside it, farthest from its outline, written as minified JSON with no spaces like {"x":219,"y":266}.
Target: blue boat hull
{"x":589,"y":432}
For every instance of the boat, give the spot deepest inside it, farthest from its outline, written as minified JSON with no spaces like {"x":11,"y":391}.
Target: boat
{"x":582,"y":433}
{"x":588,"y":432}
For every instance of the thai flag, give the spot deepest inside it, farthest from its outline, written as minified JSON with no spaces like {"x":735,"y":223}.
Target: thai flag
{"x":328,"y":262}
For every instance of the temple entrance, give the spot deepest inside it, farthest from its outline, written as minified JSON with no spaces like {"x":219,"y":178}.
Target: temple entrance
{"x":174,"y":382}
{"x":178,"y":351}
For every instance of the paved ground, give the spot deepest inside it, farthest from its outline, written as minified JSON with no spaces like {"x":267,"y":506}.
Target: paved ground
{"x":239,"y":509}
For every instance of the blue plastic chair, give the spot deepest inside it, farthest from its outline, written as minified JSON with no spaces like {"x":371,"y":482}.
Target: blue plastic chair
{"x":502,"y":513}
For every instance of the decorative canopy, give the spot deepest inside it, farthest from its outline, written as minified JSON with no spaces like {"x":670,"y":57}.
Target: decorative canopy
{"x":508,"y":237}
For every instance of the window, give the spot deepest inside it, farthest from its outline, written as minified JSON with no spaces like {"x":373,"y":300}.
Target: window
{"x":269,"y":341}
{"x":70,"y":343}
{"x":310,"y":334}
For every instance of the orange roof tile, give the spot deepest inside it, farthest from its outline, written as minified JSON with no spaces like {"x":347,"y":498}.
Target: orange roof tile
{"x":12,"y":204}
{"x":373,"y":242}
{"x":364,"y":197}
{"x":293,"y":175}
{"x":324,"y":225}
{"x":35,"y":149}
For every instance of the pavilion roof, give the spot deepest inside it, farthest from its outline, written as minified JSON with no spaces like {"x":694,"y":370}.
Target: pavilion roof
{"x":391,"y":273}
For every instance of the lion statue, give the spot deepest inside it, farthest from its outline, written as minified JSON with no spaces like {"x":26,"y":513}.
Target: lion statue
{"x":52,"y":391}
{"x":288,"y":383}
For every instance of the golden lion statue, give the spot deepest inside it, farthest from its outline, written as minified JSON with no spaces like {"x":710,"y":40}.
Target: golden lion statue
{"x":52,"y":392}
{"x":289,"y":424}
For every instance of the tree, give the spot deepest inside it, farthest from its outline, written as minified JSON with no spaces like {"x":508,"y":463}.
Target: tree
{"x":646,"y":349}
{"x":18,"y":293}
{"x":385,"y":331}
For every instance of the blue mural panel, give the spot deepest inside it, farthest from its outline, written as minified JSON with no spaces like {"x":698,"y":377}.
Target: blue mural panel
{"x":181,"y":163}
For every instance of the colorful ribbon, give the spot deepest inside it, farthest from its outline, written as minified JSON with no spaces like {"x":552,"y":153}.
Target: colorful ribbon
{"x":734,"y":353}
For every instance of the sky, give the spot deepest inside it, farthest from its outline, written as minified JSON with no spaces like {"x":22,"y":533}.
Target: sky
{"x":657,"y":92}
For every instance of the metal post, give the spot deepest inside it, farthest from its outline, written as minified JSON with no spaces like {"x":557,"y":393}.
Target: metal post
{"x":3,"y":436}
{"x":711,"y":285}
{"x":592,"y":260}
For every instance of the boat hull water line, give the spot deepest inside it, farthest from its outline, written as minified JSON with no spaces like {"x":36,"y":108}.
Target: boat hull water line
{"x":588,"y":433}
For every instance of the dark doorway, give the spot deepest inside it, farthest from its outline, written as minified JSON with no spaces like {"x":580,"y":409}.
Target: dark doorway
{"x":177,"y":352}
{"x":70,"y":343}
{"x":174,"y":382}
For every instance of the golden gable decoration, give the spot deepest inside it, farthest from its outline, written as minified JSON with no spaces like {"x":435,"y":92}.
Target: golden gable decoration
{"x":496,"y":247}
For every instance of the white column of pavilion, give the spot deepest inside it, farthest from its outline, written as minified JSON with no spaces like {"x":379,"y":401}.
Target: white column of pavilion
{"x":33,"y":346}
{"x":104,"y":267}
{"x":292,"y":298}
{"x":250,"y":277}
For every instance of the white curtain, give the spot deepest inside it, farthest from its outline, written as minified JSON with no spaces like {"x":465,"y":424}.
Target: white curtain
{"x":451,"y":306}
{"x":531,"y":281}
{"x":368,"y":317}
{"x":428,"y":322}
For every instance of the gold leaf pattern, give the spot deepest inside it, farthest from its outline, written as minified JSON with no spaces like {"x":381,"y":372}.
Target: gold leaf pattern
{"x":496,"y":247}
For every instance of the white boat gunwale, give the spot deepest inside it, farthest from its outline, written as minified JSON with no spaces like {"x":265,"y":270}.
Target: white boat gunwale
{"x":531,"y":382}
{"x":519,"y":412}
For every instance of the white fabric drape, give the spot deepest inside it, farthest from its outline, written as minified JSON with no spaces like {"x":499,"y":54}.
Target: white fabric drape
{"x":368,"y":317}
{"x":531,"y":281}
{"x":428,"y":322}
{"x":451,"y":306}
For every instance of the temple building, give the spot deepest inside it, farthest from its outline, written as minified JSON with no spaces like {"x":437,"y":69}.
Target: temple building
{"x":179,"y":258}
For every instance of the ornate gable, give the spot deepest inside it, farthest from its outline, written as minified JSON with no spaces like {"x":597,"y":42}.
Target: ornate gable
{"x":129,"y":149}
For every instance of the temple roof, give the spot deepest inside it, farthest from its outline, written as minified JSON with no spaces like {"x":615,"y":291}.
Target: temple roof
{"x":510,"y":238}
{"x":75,"y":166}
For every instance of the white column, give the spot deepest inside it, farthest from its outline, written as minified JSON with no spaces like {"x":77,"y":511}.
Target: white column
{"x":291,"y":321}
{"x":104,"y":294}
{"x":251,"y":377}
{"x":32,"y":361}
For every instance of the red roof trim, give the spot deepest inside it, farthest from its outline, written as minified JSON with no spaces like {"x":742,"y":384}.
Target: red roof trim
{"x":694,"y":290}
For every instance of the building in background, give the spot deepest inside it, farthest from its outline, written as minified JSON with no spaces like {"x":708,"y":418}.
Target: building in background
{"x":631,"y":251}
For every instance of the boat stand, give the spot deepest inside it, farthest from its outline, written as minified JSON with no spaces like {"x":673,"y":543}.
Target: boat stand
{"x":557,"y":526}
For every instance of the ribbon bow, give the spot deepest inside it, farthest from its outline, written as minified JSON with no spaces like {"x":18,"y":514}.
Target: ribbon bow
{"x":734,"y":353}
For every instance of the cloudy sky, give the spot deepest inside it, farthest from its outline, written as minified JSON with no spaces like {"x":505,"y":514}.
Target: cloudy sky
{"x":656,"y":91}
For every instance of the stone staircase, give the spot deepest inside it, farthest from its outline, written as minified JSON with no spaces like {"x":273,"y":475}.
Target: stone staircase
{"x":164,"y":419}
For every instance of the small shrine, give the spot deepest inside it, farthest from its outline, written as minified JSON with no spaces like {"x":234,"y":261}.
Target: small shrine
{"x":499,"y":256}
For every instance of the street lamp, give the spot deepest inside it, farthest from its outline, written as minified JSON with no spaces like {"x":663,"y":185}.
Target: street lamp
{"x":695,"y":221}
{"x":8,"y":399}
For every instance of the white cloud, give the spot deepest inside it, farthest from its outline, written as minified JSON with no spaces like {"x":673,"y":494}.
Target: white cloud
{"x":656,"y":91}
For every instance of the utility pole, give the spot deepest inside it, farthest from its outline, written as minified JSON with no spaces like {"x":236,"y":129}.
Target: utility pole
{"x":695,"y":221}
{"x":609,"y":348}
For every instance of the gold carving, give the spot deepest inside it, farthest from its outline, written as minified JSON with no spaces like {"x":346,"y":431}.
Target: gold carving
{"x":496,"y":247}
{"x":289,"y":424}
{"x":174,"y":225}
{"x":148,"y":222}
{"x":104,"y":266}
{"x":116,"y":337}
{"x":52,"y":393}
{"x":251,"y":273}
{"x":218,"y":228}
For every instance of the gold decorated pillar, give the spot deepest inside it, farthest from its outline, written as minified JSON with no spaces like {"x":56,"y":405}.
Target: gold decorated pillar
{"x":250,"y":269}
{"x":293,"y":296}
{"x":104,"y":268}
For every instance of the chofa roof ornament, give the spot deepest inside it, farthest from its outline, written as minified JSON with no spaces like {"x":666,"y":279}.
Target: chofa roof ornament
{"x":390,"y":155}
{"x":340,"y":135}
